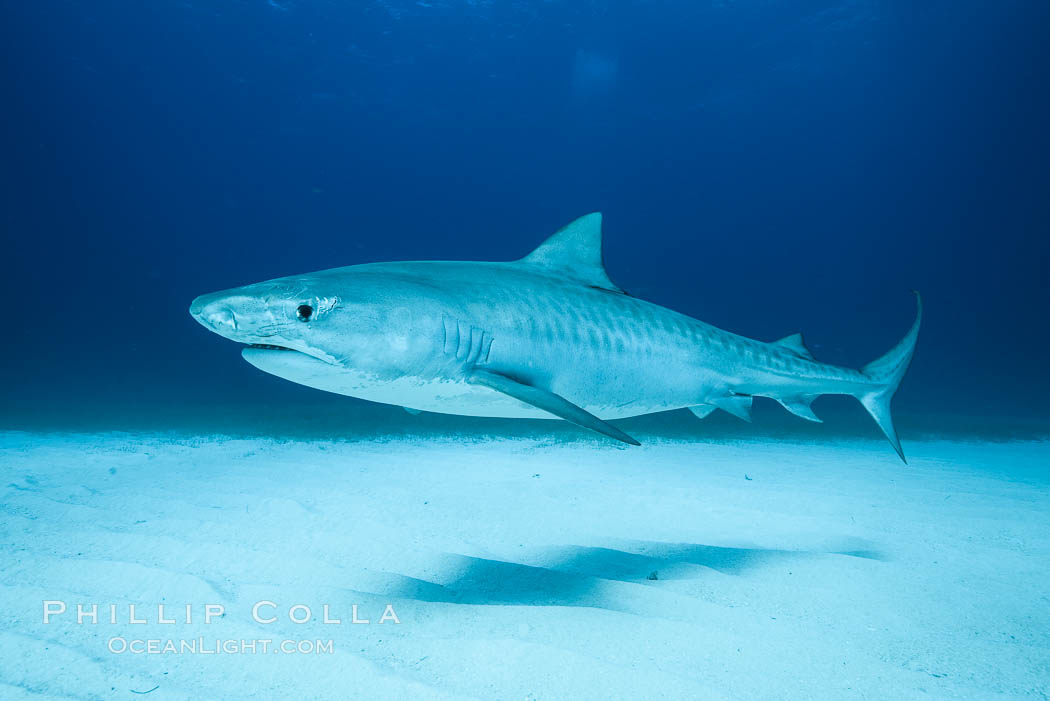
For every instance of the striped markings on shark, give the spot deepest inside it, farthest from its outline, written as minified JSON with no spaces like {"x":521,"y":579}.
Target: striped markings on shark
{"x":549,"y":336}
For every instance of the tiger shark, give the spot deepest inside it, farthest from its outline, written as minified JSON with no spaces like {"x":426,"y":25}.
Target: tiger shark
{"x":546,"y":336}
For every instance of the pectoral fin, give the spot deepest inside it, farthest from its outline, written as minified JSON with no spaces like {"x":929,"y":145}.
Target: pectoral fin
{"x":549,"y":402}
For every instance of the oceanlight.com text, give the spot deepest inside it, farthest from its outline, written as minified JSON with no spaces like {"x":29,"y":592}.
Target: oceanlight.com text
{"x":213,"y":646}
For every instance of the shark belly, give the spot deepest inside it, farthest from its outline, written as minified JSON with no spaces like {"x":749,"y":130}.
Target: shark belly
{"x":453,"y":394}
{"x":445,"y":395}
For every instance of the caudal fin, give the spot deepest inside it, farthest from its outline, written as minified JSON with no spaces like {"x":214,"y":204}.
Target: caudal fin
{"x":886,"y":373}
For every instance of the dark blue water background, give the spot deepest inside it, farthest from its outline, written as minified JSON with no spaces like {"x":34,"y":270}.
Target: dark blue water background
{"x":768,"y":167}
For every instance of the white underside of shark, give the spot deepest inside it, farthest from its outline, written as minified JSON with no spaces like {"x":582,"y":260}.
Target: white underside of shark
{"x":548,"y":336}
{"x":442,"y":396}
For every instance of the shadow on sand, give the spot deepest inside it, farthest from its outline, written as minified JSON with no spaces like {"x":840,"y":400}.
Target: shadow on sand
{"x":576,"y":575}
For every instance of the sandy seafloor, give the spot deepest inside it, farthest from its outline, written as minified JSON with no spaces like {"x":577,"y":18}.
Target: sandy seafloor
{"x":529,"y":569}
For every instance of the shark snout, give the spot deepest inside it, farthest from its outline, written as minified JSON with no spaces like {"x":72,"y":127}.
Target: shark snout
{"x":213,"y":313}
{"x":225,"y":315}
{"x":220,"y":319}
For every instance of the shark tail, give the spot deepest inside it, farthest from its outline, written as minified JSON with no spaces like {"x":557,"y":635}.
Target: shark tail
{"x":886,"y":374}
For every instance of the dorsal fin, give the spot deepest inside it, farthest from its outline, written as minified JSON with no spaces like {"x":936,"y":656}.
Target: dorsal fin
{"x":575,"y":251}
{"x":796,"y":345}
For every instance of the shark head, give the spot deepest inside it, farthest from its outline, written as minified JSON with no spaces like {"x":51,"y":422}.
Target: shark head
{"x":323,"y":330}
{"x":289,"y":314}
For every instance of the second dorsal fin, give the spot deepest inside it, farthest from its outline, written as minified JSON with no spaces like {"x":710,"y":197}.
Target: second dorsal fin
{"x":575,"y":252}
{"x":796,"y":344}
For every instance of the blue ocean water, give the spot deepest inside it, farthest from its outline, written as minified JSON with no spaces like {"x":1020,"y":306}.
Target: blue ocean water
{"x":767,"y":167}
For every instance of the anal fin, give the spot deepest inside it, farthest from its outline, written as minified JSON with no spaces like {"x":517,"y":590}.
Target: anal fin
{"x":739,"y":405}
{"x":800,"y":406}
{"x":549,"y":402}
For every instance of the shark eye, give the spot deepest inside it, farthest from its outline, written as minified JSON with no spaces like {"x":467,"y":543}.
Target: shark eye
{"x":303,"y":312}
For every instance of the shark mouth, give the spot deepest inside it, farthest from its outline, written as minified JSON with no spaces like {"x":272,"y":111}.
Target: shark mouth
{"x":268,"y":346}
{"x":286,"y":354}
